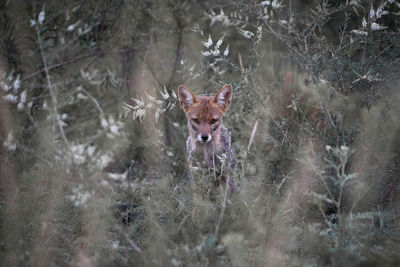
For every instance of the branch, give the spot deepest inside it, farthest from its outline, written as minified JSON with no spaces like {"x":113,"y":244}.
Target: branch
{"x":46,"y":69}
{"x":133,"y":244}
{"x":171,"y":79}
{"x":53,"y":96}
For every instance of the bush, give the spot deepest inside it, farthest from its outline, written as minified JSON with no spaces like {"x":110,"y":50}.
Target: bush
{"x":93,"y":164}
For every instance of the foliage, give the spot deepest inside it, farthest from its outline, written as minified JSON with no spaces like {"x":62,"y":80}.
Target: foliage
{"x":93,"y":166}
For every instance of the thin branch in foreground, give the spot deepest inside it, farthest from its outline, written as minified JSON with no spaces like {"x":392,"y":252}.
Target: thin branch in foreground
{"x":253,"y":133}
{"x":51,"y":89}
{"x":46,"y":69}
{"x":133,"y":244}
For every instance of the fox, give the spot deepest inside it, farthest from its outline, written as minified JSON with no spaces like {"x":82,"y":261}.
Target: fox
{"x":209,"y":143}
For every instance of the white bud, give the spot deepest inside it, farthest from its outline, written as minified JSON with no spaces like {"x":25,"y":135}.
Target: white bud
{"x":364,"y":22}
{"x":371,"y":13}
{"x":41,"y":17}
{"x":226,"y":52}
{"x":219,"y":42}
{"x":71,"y":28}
{"x":208,"y":43}
{"x":23,"y":97}
{"x":104,"y":123}
{"x":248,"y":34}
{"x":377,"y":27}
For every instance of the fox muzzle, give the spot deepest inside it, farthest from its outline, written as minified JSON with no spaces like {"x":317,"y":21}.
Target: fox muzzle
{"x":204,"y":138}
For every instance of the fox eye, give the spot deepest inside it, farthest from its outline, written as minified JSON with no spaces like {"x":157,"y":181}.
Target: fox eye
{"x":213,"y":121}
{"x":195,"y":120}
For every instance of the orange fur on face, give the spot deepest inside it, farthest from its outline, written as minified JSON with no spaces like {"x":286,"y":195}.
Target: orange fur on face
{"x":204,"y":113}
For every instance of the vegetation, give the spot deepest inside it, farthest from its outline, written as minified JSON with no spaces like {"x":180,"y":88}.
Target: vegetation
{"x":93,"y":167}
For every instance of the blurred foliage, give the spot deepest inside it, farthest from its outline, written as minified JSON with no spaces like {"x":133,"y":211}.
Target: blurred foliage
{"x":92,"y":160}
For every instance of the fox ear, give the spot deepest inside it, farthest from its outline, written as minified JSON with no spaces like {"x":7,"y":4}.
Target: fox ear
{"x":223,"y":97}
{"x":186,"y":97}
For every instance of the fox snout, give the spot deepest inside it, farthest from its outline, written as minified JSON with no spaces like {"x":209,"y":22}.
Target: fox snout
{"x":202,"y":131}
{"x":204,"y":138}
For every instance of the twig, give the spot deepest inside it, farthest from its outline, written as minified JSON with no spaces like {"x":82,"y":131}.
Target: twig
{"x":97,"y":53}
{"x":154,"y":74}
{"x":171,"y":79}
{"x":177,"y":56}
{"x":133,"y":244}
{"x":277,"y":125}
{"x":221,"y":215}
{"x":95,"y":59}
{"x":182,"y":222}
{"x":253,"y":133}
{"x":47,"y":68}
{"x":94,"y":101}
{"x":129,"y":179}
{"x":241,"y":63}
{"x":377,"y":56}
{"x":51,"y":89}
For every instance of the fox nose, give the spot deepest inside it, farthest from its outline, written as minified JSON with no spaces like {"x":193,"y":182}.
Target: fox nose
{"x":204,"y":137}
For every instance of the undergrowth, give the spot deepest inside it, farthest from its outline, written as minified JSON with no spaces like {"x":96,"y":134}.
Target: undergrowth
{"x":93,"y":164}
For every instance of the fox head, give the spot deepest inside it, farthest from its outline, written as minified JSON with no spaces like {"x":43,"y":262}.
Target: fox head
{"x":205,"y":113}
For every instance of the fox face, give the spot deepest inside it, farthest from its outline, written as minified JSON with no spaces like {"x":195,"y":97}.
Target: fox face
{"x":205,"y":113}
